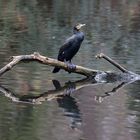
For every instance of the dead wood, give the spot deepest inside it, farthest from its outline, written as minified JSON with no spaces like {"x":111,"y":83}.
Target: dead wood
{"x":53,"y":62}
{"x":47,"y":61}
{"x":121,"y":68}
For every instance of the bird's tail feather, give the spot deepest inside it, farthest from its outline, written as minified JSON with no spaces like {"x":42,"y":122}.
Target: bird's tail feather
{"x":56,"y":69}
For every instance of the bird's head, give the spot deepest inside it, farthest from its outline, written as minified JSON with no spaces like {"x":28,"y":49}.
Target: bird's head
{"x":78,"y":26}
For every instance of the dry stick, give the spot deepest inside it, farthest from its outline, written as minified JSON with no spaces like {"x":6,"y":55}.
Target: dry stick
{"x":101,"y":55}
{"x":47,"y":61}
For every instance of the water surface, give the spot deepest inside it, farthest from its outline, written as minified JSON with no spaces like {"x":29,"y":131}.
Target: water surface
{"x":113,"y":27}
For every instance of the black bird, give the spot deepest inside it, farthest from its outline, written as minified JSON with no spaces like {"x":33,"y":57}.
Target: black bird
{"x":70,"y":47}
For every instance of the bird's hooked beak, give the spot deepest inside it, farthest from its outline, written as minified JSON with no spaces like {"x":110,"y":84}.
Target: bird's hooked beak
{"x":83,"y":25}
{"x":79,"y":26}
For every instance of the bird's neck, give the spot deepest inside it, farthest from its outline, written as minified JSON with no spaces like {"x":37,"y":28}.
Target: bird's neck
{"x":76,"y":31}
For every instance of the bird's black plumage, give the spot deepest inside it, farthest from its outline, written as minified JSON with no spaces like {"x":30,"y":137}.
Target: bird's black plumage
{"x":71,"y":46}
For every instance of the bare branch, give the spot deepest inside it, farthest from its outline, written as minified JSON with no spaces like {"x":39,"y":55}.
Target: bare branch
{"x":47,"y":61}
{"x":101,"y":55}
{"x":79,"y":69}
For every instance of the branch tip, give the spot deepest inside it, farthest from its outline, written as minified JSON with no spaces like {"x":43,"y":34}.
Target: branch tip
{"x":101,"y":55}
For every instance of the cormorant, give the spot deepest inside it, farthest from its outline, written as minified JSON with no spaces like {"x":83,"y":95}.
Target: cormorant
{"x":70,"y":47}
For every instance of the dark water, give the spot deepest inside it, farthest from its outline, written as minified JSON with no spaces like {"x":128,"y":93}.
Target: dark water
{"x":93,"y":111}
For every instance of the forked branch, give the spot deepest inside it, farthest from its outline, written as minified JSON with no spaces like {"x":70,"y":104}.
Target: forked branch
{"x":53,"y":62}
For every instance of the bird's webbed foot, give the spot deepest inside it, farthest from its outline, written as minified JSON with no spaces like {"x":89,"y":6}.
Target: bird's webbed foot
{"x":71,"y":67}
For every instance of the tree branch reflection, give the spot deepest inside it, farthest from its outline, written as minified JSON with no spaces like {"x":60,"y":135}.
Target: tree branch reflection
{"x":67,"y":89}
{"x":63,"y":96}
{"x":111,"y":92}
{"x":60,"y":91}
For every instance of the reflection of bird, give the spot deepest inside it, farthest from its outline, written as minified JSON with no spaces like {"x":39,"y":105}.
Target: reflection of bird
{"x":70,"y":47}
{"x":71,"y":110}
